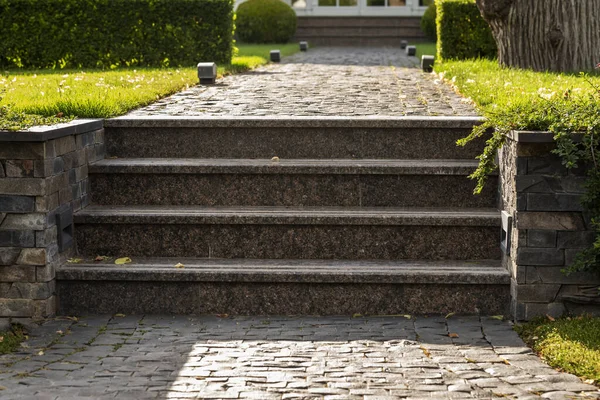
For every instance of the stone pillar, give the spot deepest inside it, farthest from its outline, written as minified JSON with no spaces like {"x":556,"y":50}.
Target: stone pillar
{"x":549,"y":228}
{"x":43,"y":178}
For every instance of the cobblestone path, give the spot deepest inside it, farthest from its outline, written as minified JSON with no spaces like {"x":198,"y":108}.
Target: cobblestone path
{"x":322,"y":82}
{"x":138,"y":357}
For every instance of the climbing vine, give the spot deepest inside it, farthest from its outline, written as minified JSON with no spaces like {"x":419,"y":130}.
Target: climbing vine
{"x":574,"y":120}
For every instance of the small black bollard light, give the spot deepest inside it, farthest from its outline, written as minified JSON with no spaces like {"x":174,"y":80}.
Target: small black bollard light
{"x":411,"y":50}
{"x":427,"y":63}
{"x":403,"y":44}
{"x":207,"y":73}
{"x":275,"y":55}
{"x":303,"y":46}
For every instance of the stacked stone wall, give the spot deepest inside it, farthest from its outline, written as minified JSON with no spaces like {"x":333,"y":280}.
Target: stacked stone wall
{"x":549,"y":228}
{"x":42,"y":175}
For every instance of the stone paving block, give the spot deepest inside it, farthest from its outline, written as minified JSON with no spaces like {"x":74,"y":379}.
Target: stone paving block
{"x":166,"y":368}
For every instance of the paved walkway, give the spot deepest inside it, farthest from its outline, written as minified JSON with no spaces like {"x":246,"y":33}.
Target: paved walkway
{"x":321,"y":82}
{"x":138,"y":357}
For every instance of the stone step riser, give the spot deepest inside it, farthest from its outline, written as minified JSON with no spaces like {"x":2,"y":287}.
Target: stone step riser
{"x":370,"y":32}
{"x":281,"y":189}
{"x":109,"y":297}
{"x":289,"y":143}
{"x":289,"y":241}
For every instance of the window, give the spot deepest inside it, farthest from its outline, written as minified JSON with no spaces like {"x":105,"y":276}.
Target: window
{"x":338,"y":3}
{"x":386,"y":3}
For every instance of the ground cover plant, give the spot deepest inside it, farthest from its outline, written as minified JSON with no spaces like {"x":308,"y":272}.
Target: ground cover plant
{"x":569,"y":344}
{"x":28,"y":95}
{"x":515,"y":99}
{"x":11,"y":340}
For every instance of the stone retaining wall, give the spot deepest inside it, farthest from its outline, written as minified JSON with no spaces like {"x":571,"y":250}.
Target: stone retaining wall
{"x":43,"y":178}
{"x":549,"y":228}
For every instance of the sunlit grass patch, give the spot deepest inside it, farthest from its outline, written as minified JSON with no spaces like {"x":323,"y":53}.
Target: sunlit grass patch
{"x":27,"y":95}
{"x":495,"y":89}
{"x":569,"y":344}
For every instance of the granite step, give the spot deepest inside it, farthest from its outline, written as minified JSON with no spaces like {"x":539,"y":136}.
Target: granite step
{"x":255,"y":287}
{"x":299,"y":182}
{"x":291,"y":137}
{"x":289,"y":232}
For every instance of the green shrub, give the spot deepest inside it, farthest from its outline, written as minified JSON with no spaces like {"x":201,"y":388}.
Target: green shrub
{"x":462,"y":32}
{"x":265,"y":21}
{"x":428,"y":22}
{"x":109,"y":33}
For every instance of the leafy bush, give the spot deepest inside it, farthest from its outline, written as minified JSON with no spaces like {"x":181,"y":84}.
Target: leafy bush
{"x":265,"y":21}
{"x":109,"y":33}
{"x":516,"y":99}
{"x":428,"y":22}
{"x":462,"y":32}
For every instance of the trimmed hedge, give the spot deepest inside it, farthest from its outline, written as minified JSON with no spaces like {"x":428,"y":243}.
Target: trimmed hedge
{"x":113,"y":33}
{"x":428,"y":22}
{"x":265,"y":21}
{"x":462,"y":33}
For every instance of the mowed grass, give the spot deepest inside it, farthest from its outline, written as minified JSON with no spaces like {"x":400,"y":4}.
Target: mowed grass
{"x":523,"y":96}
{"x":425,"y":48}
{"x":107,"y":93}
{"x":568,"y":344}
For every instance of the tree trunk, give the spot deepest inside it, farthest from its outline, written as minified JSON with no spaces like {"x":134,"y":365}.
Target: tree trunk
{"x":545,"y":35}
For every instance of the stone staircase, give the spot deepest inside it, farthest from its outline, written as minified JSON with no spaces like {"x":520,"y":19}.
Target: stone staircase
{"x":287,"y":216}
{"x":359,"y":31}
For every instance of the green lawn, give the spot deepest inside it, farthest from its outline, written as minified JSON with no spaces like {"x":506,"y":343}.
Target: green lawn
{"x":26,"y":95}
{"x":425,"y":48}
{"x":568,"y":344}
{"x":517,"y":99}
{"x":494,"y":88}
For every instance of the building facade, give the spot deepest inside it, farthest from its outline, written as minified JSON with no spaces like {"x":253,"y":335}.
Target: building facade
{"x":358,"y":22}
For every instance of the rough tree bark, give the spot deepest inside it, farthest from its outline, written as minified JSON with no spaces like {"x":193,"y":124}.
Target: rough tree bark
{"x":545,"y":35}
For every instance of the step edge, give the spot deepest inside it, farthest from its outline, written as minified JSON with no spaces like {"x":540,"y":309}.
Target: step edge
{"x":448,"y":122}
{"x":322,"y":217}
{"x":169,"y":274}
{"x":188,"y":166}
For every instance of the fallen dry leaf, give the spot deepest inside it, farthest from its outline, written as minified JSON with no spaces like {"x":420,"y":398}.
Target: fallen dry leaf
{"x":550,"y":318}
{"x":122,"y":260}
{"x":179,"y":265}
{"x":100,"y":258}
{"x":60,"y":332}
{"x":1,"y":339}
{"x":453,"y":335}
{"x":449,"y":315}
{"x":120,"y":315}
{"x":498,"y":317}
{"x":40,"y":353}
{"x":222,"y":315}
{"x":357,"y":315}
{"x":275,"y":159}
{"x":74,"y":260}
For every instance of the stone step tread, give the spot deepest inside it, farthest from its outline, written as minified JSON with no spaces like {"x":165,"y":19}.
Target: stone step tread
{"x":282,"y":166}
{"x":371,"y":122}
{"x":95,"y":214}
{"x":321,"y":271}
